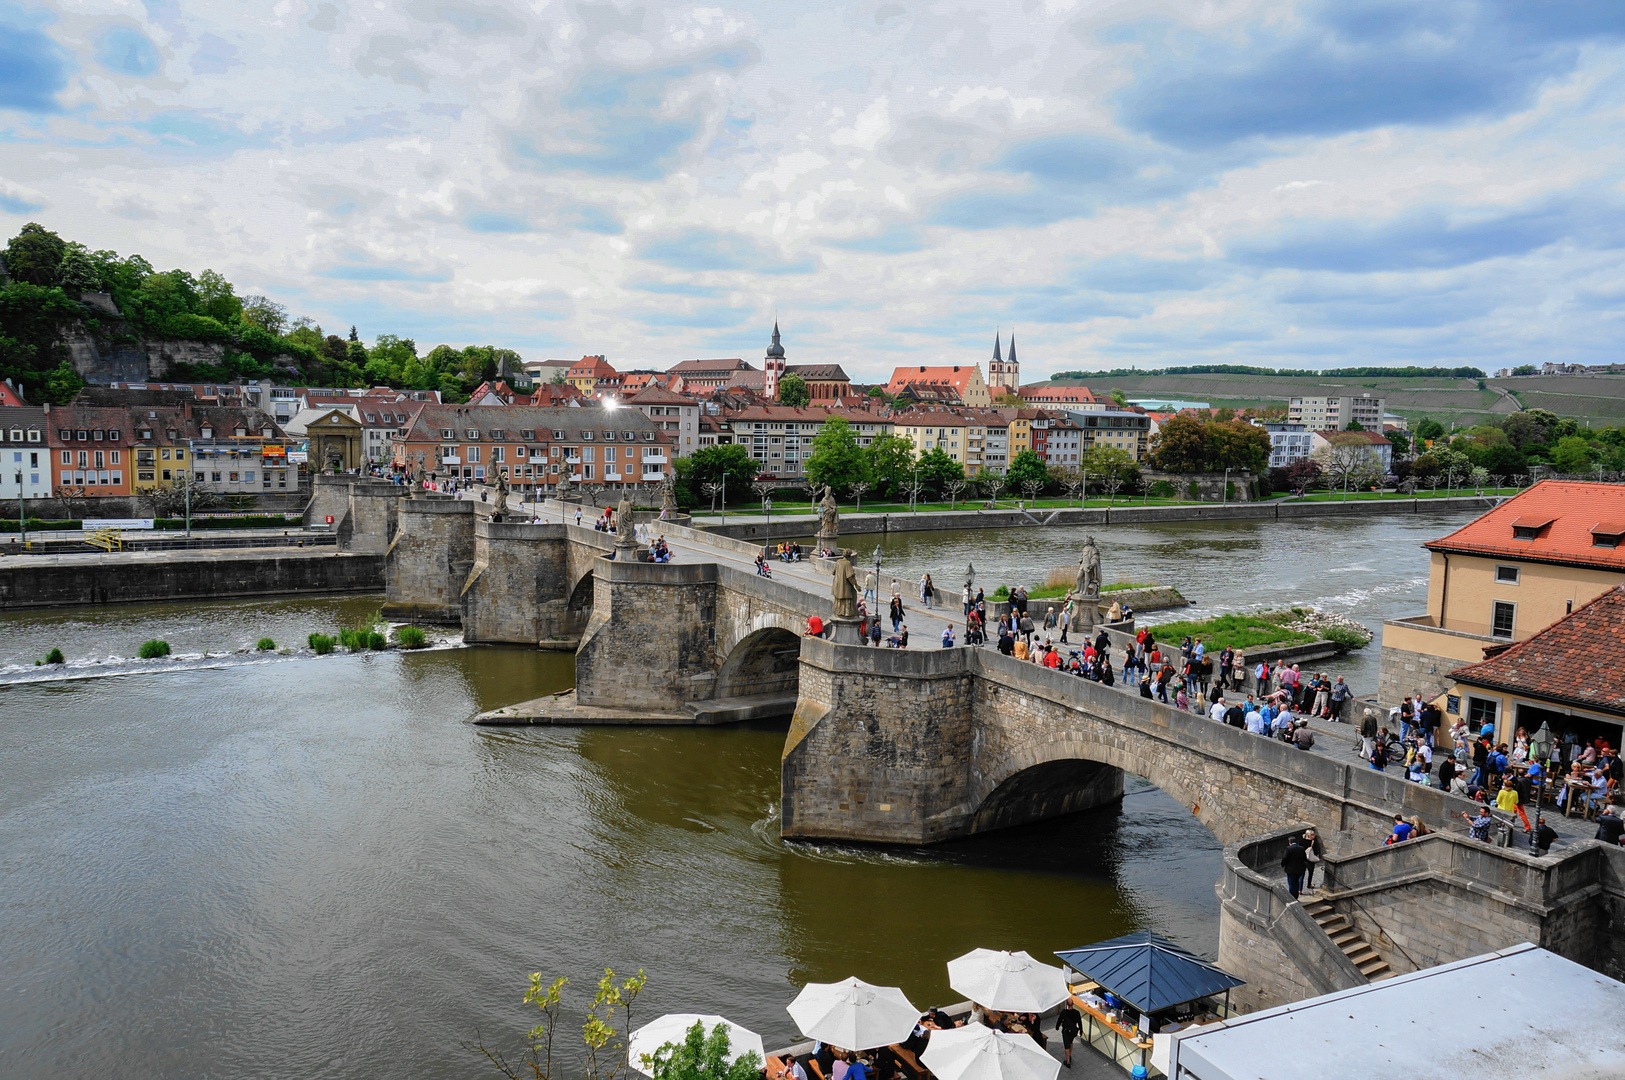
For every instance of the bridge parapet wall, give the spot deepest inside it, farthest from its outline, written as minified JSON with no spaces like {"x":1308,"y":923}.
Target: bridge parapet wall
{"x":429,"y":560}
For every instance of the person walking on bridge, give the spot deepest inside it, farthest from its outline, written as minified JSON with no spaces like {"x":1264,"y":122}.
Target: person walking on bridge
{"x":927,"y":591}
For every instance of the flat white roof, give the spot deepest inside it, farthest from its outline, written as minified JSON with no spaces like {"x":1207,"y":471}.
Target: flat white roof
{"x":1519,"y":1012}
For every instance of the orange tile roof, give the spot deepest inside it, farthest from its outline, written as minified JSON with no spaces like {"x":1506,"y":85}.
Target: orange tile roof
{"x":957,"y":376}
{"x":1572,"y":508}
{"x":1575,"y":660}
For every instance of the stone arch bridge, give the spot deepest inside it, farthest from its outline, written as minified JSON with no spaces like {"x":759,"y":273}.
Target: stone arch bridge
{"x":899,"y":746}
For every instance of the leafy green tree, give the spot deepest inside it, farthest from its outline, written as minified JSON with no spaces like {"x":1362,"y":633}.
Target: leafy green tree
{"x":1354,"y":425}
{"x":793,"y":392}
{"x":1524,"y":430}
{"x":604,"y":1032}
{"x":62,"y":384}
{"x":1236,"y":444}
{"x":936,"y":468}
{"x":1526,"y":369}
{"x":77,"y":272}
{"x":1026,"y":467}
{"x":891,"y":463}
{"x":1119,"y":397}
{"x":1181,"y":446}
{"x":1503,"y":460}
{"x":713,"y":464}
{"x":265,"y":313}
{"x":1401,"y":442}
{"x":34,"y":255}
{"x":1099,"y":462}
{"x":703,"y":1057}
{"x":1429,"y":428}
{"x":1573,"y":455}
{"x":837,"y":459}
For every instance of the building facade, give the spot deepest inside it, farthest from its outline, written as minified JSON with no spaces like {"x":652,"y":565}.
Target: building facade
{"x":1004,"y":374}
{"x":676,"y":415}
{"x":1503,"y":577}
{"x":90,"y":447}
{"x":965,"y":381}
{"x":25,"y":455}
{"x":1289,"y":444}
{"x":538,"y":449}
{"x":1321,"y":413}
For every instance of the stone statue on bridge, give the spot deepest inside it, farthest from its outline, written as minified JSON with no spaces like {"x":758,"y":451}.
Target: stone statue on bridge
{"x":668,"y":503}
{"x":829,"y":520}
{"x":1086,"y":590}
{"x":417,"y":479}
{"x":626,"y":533}
{"x":844,"y":588}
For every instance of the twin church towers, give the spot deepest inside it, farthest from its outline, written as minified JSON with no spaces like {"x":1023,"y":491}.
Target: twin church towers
{"x":1003,"y":371}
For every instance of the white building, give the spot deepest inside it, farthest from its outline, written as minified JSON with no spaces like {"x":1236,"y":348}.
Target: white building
{"x":25,"y":459}
{"x":1289,"y":444}
{"x":1519,"y":1012}
{"x":1379,"y":449}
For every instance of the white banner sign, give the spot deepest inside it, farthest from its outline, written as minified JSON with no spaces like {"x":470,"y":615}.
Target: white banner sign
{"x":117,"y":523}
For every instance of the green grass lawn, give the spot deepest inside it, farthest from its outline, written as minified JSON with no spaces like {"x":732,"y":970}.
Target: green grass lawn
{"x":1247,"y":631}
{"x":1050,"y":592}
{"x":1373,"y":496}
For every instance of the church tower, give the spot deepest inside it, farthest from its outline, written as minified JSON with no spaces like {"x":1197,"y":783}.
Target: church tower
{"x":1003,"y":376}
{"x":773,"y":366}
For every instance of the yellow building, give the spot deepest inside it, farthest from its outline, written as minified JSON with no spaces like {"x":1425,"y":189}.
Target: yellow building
{"x":934,"y":429}
{"x":1504,"y":577}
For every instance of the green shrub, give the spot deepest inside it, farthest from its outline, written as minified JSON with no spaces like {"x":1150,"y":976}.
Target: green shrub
{"x":1002,"y":593}
{"x":54,"y":657}
{"x":1230,"y":489}
{"x":320,"y":644}
{"x":376,"y":641}
{"x":1345,"y":637}
{"x":9,"y":525}
{"x":354,"y":640}
{"x":1194,"y":490}
{"x":152,"y":650}
{"x":1162,"y":489}
{"x":236,"y":521}
{"x":411,"y":637}
{"x":265,"y":644}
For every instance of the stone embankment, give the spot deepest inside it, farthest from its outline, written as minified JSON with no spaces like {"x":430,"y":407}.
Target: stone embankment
{"x":136,"y":576}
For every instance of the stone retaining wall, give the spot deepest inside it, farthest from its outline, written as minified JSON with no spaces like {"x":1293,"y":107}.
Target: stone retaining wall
{"x":215,"y":575}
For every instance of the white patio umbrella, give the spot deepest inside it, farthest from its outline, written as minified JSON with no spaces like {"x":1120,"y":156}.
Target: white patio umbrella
{"x":975,"y":1052}
{"x":853,"y":1015}
{"x":1007,"y":981}
{"x":673,"y":1028}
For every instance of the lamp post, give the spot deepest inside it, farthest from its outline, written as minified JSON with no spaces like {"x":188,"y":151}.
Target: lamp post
{"x":191,"y":453}
{"x":22,"y":516}
{"x":877,"y":576}
{"x":1224,"y":496}
{"x":914,"y":491}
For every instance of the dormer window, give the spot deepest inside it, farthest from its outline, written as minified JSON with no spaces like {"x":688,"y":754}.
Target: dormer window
{"x":1530,"y":528}
{"x":528,"y":434}
{"x":208,"y":432}
{"x":448,"y":433}
{"x":473,"y":434}
{"x":558,"y":436}
{"x":586,"y":436}
{"x":144,"y":434}
{"x":498,"y":434}
{"x":1607,"y":534}
{"x":265,"y":433}
{"x":239,"y":432}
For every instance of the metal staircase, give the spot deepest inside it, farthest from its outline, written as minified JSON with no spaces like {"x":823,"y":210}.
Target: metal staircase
{"x":1347,"y":937}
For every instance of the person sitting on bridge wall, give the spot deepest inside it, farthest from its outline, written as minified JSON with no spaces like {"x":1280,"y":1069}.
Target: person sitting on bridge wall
{"x":900,"y":641}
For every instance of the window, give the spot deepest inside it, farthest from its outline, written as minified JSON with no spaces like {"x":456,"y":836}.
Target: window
{"x":497,"y":455}
{"x":473,"y":454}
{"x":558,"y":435}
{"x":233,"y":478}
{"x":472,"y":433}
{"x":448,"y":433}
{"x":1481,"y":711}
{"x":113,"y":456}
{"x":586,"y":436}
{"x":1506,"y":574}
{"x":67,"y":457}
{"x":609,"y":455}
{"x":528,"y":434}
{"x":1501,"y":619}
{"x":498,"y":433}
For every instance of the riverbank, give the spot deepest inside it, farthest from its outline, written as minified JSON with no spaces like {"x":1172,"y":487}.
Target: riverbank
{"x":784,"y":527}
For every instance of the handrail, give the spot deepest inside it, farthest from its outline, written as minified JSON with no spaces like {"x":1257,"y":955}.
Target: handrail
{"x":1414,"y":965}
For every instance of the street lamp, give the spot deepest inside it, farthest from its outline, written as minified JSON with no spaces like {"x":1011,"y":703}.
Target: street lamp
{"x":191,"y":453}
{"x":914,"y":491}
{"x":877,"y":576}
{"x":1224,"y":496}
{"x":22,"y":516}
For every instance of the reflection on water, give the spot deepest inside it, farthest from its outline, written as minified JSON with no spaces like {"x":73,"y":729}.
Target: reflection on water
{"x":316,"y":868}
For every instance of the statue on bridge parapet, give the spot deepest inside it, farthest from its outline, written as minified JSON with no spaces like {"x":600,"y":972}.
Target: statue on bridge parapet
{"x":844,"y":589}
{"x":626,"y":534}
{"x":417,"y":479}
{"x":1086,"y":590}
{"x":829,"y":520}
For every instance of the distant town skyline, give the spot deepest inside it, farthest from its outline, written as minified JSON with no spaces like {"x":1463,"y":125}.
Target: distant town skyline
{"x":1267,"y":182}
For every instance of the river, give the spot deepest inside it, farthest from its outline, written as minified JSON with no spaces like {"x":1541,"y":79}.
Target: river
{"x":244,"y":864}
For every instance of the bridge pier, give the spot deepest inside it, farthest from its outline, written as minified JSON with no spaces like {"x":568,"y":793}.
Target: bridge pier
{"x":651,"y":641}
{"x":428,"y":560}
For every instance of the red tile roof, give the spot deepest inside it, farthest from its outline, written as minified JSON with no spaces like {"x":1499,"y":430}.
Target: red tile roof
{"x":1572,"y":507}
{"x":1375,"y":438}
{"x":1574,"y":660}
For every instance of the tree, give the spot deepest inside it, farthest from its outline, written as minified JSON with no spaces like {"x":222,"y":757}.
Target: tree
{"x":265,"y":313}
{"x":1113,"y":484}
{"x":702,"y":1057}
{"x":1119,"y":397}
{"x":77,"y":273}
{"x":1100,"y":462}
{"x":992,"y":481}
{"x":1354,"y":425}
{"x":1180,"y":446}
{"x":35,"y":255}
{"x":1009,"y":399}
{"x":1525,"y":430}
{"x":1429,"y":429}
{"x":1236,"y":444}
{"x":891,"y":461}
{"x":793,"y":392}
{"x":952,"y":489}
{"x":605,"y":1045}
{"x":856,"y":489}
{"x":1027,"y":467}
{"x":62,"y":384}
{"x":936,"y":468}
{"x":1401,"y":442}
{"x":1526,"y":369}
{"x":1573,"y":455}
{"x":1348,"y":461}
{"x":1304,"y":475}
{"x":837,"y":459}
{"x":732,"y":463}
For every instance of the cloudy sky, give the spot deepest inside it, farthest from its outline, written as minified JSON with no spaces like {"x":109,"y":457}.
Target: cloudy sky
{"x":1234,"y":181}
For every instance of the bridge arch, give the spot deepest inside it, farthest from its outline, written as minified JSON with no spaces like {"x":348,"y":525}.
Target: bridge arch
{"x":1074,"y":772}
{"x":765,"y":661}
{"x":578,"y":606}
